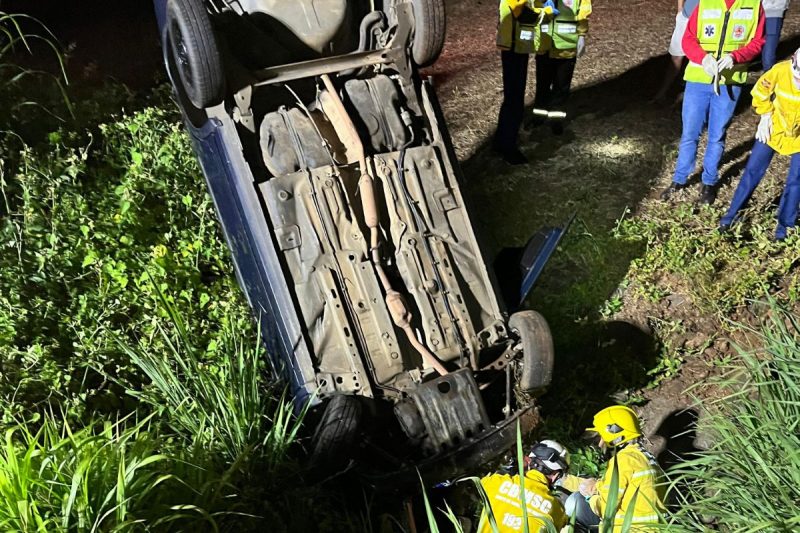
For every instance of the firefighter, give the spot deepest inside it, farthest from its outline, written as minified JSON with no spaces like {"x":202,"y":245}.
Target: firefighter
{"x":517,"y":37}
{"x":546,"y":463}
{"x":721,"y":37}
{"x":776,"y":97}
{"x":563,"y":40}
{"x":638,"y":476}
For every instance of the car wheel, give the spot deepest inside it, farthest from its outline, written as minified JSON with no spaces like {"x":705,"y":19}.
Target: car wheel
{"x":335,"y":435}
{"x":195,"y":52}
{"x":538,"y":353}
{"x":429,"y":31}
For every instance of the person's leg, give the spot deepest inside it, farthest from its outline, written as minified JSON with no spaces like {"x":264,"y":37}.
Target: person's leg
{"x":757,"y":164}
{"x":772,"y":31}
{"x":545,"y":72}
{"x":577,"y":506}
{"x":696,"y":104}
{"x":515,"y":76}
{"x":790,"y":199}
{"x":562,"y":80}
{"x":720,"y":115}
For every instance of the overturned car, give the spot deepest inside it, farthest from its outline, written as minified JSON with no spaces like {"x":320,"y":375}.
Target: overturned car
{"x":337,"y":189}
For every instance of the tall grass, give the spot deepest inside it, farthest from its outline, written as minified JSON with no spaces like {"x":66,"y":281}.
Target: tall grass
{"x":749,"y":480}
{"x":103,"y":477}
{"x":225,"y":406}
{"x":17,"y":80}
{"x":206,"y":456}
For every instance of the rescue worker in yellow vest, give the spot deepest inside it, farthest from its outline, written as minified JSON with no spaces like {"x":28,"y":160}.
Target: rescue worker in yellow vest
{"x":721,"y":37}
{"x":639,"y":477}
{"x":776,"y":97}
{"x":544,"y":465}
{"x":563,"y":40}
{"x":517,"y":38}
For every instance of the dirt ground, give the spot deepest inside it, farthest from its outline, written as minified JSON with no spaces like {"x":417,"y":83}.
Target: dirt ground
{"x":617,"y":154}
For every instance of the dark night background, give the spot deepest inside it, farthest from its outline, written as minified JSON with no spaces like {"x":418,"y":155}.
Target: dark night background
{"x":105,"y":38}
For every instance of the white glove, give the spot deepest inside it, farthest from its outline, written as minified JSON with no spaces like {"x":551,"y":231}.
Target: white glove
{"x":710,"y":65}
{"x":725,"y":62}
{"x":581,"y":46}
{"x":764,"y":131}
{"x":588,"y":487}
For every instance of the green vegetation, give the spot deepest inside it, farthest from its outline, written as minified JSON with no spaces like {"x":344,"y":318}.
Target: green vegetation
{"x":749,"y":480}
{"x":96,"y":225}
{"x":134,"y":392}
{"x":720,"y":272}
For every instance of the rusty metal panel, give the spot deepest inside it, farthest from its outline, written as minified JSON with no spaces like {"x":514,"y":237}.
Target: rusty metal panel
{"x":451,"y":409}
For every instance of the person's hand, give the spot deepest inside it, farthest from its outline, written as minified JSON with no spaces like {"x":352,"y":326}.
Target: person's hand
{"x":588,"y":487}
{"x":581,"y":46}
{"x":517,"y":6}
{"x":764,"y":131}
{"x":710,"y":65}
{"x":725,"y":62}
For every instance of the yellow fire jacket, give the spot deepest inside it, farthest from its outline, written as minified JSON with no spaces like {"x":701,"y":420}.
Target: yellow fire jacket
{"x":639,"y":476}
{"x":776,"y":93}
{"x":504,"y":495}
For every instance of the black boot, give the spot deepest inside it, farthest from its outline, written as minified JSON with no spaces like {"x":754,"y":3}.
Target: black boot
{"x":512,"y":156}
{"x":708,"y":194}
{"x":672,"y":189}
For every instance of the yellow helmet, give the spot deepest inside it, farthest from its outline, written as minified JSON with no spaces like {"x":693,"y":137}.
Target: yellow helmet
{"x":616,"y":425}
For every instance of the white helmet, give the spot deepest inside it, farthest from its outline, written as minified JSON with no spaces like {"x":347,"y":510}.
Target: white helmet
{"x":551,"y":455}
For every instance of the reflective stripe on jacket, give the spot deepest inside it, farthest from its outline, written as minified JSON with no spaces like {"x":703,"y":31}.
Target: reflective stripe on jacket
{"x":775,"y":92}
{"x":639,"y":477}
{"x":504,"y":491}
{"x":560,"y":33}
{"x":721,"y":30}
{"x":518,"y":27}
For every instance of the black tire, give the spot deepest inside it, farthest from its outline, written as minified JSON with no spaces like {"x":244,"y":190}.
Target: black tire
{"x":196,"y":55}
{"x":336,"y":434}
{"x":429,"y":31}
{"x":538,"y":353}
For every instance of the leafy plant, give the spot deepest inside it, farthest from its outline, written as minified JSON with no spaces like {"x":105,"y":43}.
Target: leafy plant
{"x":94,"y":229}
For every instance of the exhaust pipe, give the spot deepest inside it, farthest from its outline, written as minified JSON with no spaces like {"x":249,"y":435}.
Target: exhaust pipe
{"x":395,"y":302}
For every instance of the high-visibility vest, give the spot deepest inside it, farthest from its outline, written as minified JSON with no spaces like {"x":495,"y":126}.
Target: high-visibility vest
{"x":721,"y":30}
{"x":518,"y":34}
{"x":563,"y":28}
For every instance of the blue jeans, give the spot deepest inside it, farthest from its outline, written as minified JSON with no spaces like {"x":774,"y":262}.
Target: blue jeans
{"x":577,"y":506}
{"x":772,"y":29}
{"x":701,"y":107}
{"x":757,"y":165}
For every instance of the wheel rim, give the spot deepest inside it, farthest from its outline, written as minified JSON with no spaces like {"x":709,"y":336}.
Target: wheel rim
{"x":182,"y":56}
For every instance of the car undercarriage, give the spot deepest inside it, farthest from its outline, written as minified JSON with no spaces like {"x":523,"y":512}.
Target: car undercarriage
{"x":338,"y":192}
